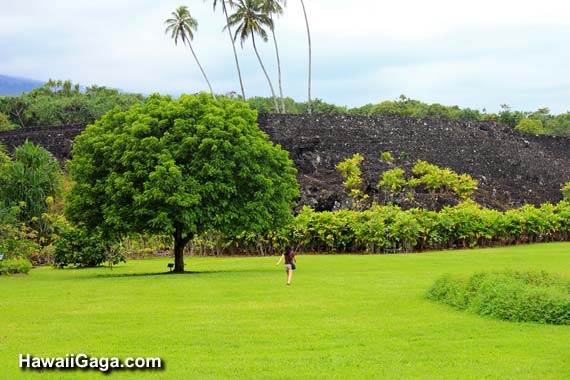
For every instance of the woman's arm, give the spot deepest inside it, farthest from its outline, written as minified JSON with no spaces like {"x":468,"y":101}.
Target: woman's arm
{"x":280,"y":259}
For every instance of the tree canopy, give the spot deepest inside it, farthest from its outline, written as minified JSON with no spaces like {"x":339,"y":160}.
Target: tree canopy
{"x":62,"y":102}
{"x":181,"y":167}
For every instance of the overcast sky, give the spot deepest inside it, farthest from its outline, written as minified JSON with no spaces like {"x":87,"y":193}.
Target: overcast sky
{"x":477,"y":54}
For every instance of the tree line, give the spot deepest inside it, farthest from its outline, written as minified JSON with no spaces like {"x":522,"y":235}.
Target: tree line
{"x":63,"y":102}
{"x":60,"y":103}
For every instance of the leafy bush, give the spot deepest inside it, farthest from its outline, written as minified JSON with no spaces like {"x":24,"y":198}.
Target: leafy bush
{"x":79,"y":247}
{"x":434,"y":178}
{"x":530,"y":126}
{"x":350,"y":170}
{"x":30,"y":182}
{"x":513,"y":296}
{"x":16,"y":239}
{"x":12,"y":266}
{"x":388,"y":228}
{"x":566,"y":191}
{"x":5,"y":124}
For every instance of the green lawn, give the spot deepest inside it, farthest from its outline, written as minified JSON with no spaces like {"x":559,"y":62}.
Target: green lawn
{"x":344,"y":317}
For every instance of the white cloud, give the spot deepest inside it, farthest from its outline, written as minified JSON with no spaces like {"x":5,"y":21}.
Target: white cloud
{"x":476,"y":54}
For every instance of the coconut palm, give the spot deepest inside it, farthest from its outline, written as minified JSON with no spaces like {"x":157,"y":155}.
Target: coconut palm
{"x":182,"y":26}
{"x":275,"y":7}
{"x":309,"y":39}
{"x":250,"y":20}
{"x":225,"y":4}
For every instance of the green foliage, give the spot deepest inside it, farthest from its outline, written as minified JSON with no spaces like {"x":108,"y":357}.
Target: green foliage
{"x":389,"y":228}
{"x":513,"y":296}
{"x":12,"y":266}
{"x":405,"y":106}
{"x":181,"y":167}
{"x":83,"y":248}
{"x":266,"y":105}
{"x":530,"y":126}
{"x":566,"y":191}
{"x":5,"y":124}
{"x":393,"y":180}
{"x":60,"y":103}
{"x":434,"y":178}
{"x":387,"y":157}
{"x":31,"y":181}
{"x":350,"y":170}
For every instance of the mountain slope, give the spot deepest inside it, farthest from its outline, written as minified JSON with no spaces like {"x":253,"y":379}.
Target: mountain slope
{"x":16,"y":85}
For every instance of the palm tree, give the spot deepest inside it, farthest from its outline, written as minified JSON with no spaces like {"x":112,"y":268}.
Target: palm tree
{"x":250,"y":20}
{"x":225,"y":10}
{"x":182,"y":26}
{"x":275,"y":7}
{"x":309,"y":39}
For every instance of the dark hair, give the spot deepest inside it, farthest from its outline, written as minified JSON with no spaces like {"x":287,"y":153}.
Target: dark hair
{"x":288,"y":250}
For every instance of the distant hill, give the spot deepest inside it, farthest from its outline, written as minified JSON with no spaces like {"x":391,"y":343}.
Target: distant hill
{"x":16,"y":85}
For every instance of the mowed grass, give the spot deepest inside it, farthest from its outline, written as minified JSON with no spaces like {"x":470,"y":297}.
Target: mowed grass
{"x":344,"y":317}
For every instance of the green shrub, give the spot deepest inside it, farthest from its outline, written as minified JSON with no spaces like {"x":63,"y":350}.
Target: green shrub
{"x":350,"y":170}
{"x":12,"y":266}
{"x":566,"y":191}
{"x":85,"y":249}
{"x":531,"y":126}
{"x":434,"y":178}
{"x":513,"y":296}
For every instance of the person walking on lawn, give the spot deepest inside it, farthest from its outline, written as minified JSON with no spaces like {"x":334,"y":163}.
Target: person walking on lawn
{"x":289,"y":257}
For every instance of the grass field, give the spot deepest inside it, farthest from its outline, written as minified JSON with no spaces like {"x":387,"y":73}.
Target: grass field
{"x":344,"y":317}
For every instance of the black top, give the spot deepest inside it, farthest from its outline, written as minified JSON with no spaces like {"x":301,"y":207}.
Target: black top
{"x":289,"y":257}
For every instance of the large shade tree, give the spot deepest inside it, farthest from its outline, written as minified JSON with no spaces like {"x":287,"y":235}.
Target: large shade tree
{"x":251,"y":20}
{"x":181,"y":26}
{"x":181,"y":167}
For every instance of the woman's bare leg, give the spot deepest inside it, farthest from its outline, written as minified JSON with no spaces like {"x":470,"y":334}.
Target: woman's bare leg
{"x":289,"y":275}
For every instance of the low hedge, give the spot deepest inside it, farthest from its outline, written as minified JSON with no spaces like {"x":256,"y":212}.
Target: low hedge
{"x":12,"y":266}
{"x":391,"y":229}
{"x":513,"y":296}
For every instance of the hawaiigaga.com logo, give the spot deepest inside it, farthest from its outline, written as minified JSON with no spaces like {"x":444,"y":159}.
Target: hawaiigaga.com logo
{"x":86,"y":362}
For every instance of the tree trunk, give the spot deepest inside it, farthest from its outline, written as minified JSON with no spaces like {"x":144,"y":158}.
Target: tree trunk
{"x":278,"y":67}
{"x":179,"y":245}
{"x":266,"y":76}
{"x":234,"y":48}
{"x":309,"y":110}
{"x":202,"y":70}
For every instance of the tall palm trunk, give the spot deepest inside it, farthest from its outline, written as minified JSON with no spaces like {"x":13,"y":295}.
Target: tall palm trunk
{"x":234,"y":47}
{"x":278,"y":67}
{"x":265,"y":72}
{"x":202,"y":70}
{"x":309,"y":39}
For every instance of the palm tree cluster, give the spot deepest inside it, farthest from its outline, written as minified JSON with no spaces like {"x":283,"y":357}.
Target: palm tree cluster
{"x":248,"y":19}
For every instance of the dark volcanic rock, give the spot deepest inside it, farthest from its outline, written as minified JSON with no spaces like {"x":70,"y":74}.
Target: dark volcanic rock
{"x":512,"y":168}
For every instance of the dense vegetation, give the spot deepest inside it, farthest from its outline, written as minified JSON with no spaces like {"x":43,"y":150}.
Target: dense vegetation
{"x":391,"y":229}
{"x":513,"y":296}
{"x":61,"y":102}
{"x":30,"y":191}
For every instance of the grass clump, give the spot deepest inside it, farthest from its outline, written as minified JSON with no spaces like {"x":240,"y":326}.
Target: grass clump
{"x":533,"y":296}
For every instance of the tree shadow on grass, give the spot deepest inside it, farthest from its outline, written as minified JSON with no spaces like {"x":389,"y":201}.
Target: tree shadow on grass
{"x":174,"y":274}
